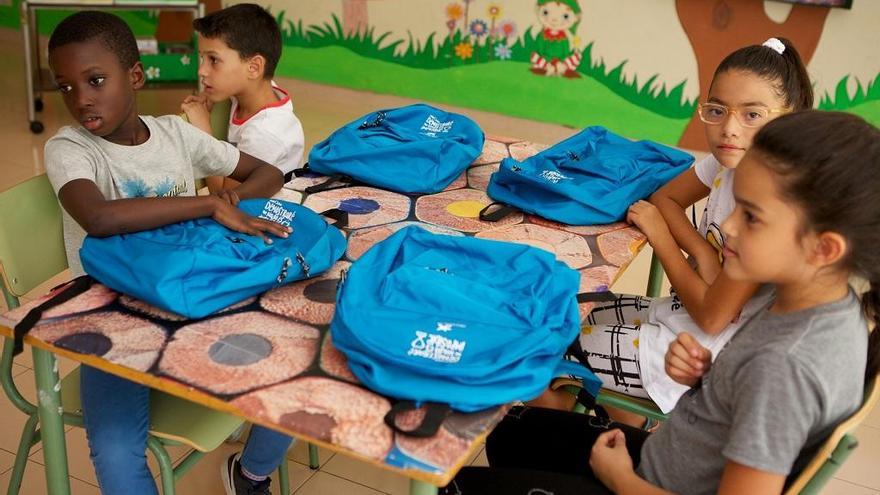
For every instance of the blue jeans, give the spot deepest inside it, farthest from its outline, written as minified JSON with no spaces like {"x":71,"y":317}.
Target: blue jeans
{"x":116,"y":413}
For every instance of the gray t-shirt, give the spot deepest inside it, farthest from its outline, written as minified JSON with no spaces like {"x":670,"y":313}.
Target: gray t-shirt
{"x":780,"y":386}
{"x":167,"y":164}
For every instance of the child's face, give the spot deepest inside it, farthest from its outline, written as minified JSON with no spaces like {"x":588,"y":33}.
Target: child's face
{"x":729,"y":140}
{"x":557,"y":16}
{"x":222,"y":72}
{"x":97,"y":90}
{"x":763,"y":240}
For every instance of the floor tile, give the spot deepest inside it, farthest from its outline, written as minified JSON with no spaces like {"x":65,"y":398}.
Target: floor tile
{"x":367,"y":474}
{"x":300,"y":453}
{"x":840,"y":487}
{"x":861,"y":467}
{"x":326,"y":484}
{"x":480,"y":460}
{"x":34,"y":482}
{"x":7,"y":459}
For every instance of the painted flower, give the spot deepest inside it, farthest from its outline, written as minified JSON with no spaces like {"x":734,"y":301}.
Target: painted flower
{"x":454,"y":11}
{"x":450,"y":24}
{"x":494,"y":11}
{"x":503,"y":52}
{"x":479,"y":28}
{"x":464,"y":50}
{"x":508,"y":29}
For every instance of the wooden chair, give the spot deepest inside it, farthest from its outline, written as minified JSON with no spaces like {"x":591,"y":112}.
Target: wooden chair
{"x":31,"y":252}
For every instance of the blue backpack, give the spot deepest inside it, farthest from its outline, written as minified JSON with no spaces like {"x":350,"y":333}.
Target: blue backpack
{"x":466,"y":322}
{"x":413,"y":149}
{"x":197,"y":267}
{"x":590,"y":178}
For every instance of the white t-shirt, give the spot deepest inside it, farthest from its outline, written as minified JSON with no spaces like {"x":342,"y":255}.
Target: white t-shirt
{"x":667,"y":316}
{"x":273,"y":134}
{"x":167,"y":164}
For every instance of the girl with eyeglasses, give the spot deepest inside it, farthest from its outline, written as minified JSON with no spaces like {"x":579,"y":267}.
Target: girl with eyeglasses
{"x":625,"y":340}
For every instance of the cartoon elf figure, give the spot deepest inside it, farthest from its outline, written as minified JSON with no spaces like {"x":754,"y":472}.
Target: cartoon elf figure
{"x":556,"y":53}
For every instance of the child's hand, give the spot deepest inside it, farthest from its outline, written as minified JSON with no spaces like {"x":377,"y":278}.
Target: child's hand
{"x":229,"y":196}
{"x":239,"y":221}
{"x":647,"y":218}
{"x":686,"y":360}
{"x":610,"y":460}
{"x":198,"y":110}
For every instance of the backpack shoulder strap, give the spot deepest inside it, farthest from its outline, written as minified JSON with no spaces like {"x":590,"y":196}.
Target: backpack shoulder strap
{"x":75,"y":288}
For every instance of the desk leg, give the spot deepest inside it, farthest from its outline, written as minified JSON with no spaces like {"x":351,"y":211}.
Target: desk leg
{"x":417,"y":487}
{"x":655,"y":277}
{"x":51,"y":425}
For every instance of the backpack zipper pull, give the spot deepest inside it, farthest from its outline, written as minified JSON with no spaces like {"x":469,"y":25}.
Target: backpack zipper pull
{"x":380,"y":116}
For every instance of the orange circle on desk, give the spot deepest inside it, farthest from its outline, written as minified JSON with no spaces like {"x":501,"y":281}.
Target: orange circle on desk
{"x":366,"y":206}
{"x":453,"y":209}
{"x":362,"y":240}
{"x":311,"y":301}
{"x":96,"y":297}
{"x":569,"y":248}
{"x":329,"y":410}
{"x":239,"y":352}
{"x":121,"y":339}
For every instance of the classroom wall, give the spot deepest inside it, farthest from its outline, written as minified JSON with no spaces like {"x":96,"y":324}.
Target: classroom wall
{"x":644,"y":62}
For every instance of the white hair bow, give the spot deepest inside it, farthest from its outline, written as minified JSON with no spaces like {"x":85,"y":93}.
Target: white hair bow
{"x":775,"y":45}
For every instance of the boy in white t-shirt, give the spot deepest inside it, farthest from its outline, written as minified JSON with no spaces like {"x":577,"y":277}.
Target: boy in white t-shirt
{"x":239,"y":48}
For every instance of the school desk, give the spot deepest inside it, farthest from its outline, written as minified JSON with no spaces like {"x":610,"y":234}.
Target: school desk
{"x":270,"y":359}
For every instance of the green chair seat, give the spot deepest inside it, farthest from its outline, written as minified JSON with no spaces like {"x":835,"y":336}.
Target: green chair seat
{"x":171,"y":418}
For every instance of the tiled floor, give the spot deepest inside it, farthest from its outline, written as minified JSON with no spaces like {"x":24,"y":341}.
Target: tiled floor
{"x":321,"y":109}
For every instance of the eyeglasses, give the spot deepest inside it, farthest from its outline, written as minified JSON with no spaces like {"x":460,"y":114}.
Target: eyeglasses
{"x":750,"y":116}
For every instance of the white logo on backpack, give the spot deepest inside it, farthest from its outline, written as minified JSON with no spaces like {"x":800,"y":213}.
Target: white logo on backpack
{"x":436,"y":348}
{"x":275,"y":212}
{"x":433,"y":125}
{"x":553,"y":176}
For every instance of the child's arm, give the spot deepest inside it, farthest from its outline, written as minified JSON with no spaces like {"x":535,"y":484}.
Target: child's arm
{"x":257,"y":178}
{"x":672,"y":201}
{"x":612,"y":465}
{"x":100,"y":217}
{"x":711,"y":306}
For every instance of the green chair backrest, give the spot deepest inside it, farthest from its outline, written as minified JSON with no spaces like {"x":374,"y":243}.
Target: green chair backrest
{"x":31,"y":237}
{"x":836,"y":449}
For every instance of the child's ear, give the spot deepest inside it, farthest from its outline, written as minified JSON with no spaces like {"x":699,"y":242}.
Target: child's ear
{"x":136,"y":75}
{"x":829,"y":248}
{"x":256,"y":66}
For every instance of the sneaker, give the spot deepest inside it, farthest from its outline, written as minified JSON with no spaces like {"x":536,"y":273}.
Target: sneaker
{"x":236,"y":484}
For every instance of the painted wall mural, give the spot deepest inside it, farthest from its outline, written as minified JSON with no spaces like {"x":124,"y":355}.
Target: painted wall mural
{"x":635,"y":66}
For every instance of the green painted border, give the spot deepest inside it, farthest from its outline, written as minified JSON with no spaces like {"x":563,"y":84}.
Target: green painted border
{"x":576,"y":103}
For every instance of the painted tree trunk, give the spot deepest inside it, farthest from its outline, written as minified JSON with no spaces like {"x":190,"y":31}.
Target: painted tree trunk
{"x":716,"y":28}
{"x":354,"y":16}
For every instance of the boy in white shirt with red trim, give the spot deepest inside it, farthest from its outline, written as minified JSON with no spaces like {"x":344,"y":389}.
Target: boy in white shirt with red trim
{"x":239,"y":48}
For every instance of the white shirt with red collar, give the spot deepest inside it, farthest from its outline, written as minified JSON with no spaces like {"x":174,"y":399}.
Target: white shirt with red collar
{"x":273,"y":134}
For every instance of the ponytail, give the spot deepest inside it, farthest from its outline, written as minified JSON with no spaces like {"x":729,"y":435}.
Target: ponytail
{"x":871,"y":305}
{"x":778,"y":61}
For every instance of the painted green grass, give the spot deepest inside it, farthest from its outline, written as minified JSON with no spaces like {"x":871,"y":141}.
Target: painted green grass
{"x":842,"y":100}
{"x":577,"y":103}
{"x":655,"y":97}
{"x":869,"y":111}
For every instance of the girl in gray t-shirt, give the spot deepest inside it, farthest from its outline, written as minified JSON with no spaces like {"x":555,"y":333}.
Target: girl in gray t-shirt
{"x":806,"y":220}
